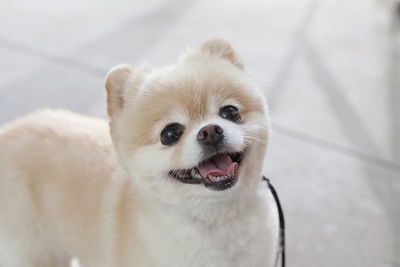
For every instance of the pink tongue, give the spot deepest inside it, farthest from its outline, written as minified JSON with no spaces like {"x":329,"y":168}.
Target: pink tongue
{"x":218,"y":166}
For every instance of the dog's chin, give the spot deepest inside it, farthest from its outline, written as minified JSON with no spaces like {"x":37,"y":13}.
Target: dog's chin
{"x":218,"y":172}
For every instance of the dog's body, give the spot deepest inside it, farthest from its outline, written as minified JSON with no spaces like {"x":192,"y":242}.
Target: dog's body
{"x":64,"y":192}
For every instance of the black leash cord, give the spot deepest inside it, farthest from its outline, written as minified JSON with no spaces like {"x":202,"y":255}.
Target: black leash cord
{"x":281,"y":221}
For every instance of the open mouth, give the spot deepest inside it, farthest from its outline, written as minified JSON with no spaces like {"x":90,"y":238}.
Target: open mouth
{"x":217,"y":172}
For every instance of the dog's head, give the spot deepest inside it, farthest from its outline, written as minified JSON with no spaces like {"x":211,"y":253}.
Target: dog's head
{"x":196,"y":129}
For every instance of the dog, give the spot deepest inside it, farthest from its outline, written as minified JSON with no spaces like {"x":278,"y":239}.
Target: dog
{"x":174,"y":178}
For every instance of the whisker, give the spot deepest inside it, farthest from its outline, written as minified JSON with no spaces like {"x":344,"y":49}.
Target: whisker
{"x":256,"y":139}
{"x":256,"y":126}
{"x":252,"y":149}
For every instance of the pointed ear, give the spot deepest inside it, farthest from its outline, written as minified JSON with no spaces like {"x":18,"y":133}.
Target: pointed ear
{"x":221,"y":48}
{"x":116,"y":81}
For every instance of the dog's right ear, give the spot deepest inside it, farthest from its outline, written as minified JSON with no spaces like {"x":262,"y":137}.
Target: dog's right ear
{"x":223,"y":49}
{"x":116,"y":83}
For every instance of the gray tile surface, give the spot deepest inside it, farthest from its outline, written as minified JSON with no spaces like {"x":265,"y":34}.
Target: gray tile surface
{"x":329,"y":68}
{"x":33,"y":83}
{"x":340,"y":211}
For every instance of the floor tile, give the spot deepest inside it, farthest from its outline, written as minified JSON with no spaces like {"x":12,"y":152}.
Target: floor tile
{"x":50,"y":85}
{"x":63,"y":26}
{"x":342,"y":82}
{"x":339,"y":210}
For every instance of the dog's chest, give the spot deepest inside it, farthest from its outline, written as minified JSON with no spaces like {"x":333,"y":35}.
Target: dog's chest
{"x":244,"y":241}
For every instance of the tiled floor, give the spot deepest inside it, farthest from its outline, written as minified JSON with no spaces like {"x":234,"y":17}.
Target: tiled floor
{"x":329,"y":68}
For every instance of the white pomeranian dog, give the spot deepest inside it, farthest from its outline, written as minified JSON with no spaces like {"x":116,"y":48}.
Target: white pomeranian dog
{"x":173,"y":180}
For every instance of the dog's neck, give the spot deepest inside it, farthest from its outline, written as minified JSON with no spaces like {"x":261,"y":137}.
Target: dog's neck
{"x":205,"y":213}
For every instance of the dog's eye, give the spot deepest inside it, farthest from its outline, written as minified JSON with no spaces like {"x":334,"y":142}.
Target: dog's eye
{"x":230,"y":113}
{"x":171,"y":133}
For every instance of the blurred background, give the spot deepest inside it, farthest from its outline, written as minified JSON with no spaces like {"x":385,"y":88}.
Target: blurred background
{"x":329,"y":69}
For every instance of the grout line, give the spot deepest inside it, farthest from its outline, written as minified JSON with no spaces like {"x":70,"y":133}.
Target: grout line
{"x":336,"y":147}
{"x":26,"y":49}
{"x":297,"y":44}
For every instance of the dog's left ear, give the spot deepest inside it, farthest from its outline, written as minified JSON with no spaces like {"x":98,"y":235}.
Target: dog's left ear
{"x":223,"y":49}
{"x":116,"y":81}
{"x":122,"y":84}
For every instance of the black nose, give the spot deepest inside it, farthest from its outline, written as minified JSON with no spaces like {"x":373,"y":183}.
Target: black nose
{"x":211,"y":134}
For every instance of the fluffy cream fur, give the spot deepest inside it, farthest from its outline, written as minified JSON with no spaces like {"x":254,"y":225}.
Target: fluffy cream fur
{"x":68,"y":189}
